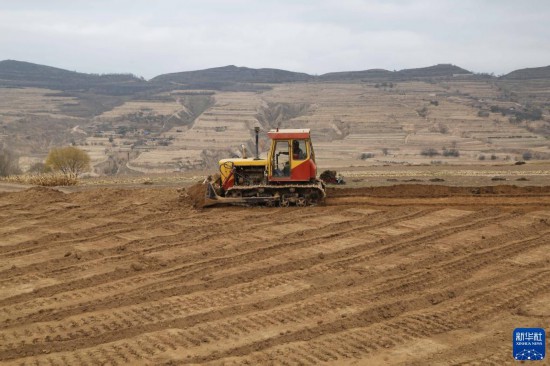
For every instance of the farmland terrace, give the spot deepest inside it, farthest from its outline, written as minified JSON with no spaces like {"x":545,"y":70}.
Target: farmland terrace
{"x":183,"y":121}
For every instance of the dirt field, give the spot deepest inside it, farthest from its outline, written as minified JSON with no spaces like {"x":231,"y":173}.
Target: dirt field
{"x":404,"y":275}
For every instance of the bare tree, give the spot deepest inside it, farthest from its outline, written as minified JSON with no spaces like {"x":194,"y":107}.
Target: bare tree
{"x":9,"y":163}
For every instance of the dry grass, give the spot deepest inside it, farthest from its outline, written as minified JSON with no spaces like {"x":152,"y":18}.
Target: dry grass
{"x":45,"y":179}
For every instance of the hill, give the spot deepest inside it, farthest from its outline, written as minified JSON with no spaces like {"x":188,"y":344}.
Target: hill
{"x":440,"y":70}
{"x":436,"y":71}
{"x":179,"y":126}
{"x":528,"y":73}
{"x":232,"y":74}
{"x":25,"y":74}
{"x":357,"y":75}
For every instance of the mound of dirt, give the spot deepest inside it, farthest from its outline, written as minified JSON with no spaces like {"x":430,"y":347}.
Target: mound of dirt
{"x":35,"y":195}
{"x":421,"y":190}
{"x":195,"y":195}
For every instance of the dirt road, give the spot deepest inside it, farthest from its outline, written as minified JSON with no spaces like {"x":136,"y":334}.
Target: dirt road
{"x":393,"y":275}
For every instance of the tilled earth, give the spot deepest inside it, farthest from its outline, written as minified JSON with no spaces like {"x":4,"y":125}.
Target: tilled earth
{"x":409,"y":275}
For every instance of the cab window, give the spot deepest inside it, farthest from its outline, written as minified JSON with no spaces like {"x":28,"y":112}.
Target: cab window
{"x":299,"y":151}
{"x":281,"y":159}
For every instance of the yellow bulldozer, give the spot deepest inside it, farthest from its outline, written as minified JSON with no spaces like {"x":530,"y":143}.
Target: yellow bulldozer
{"x":287,"y":176}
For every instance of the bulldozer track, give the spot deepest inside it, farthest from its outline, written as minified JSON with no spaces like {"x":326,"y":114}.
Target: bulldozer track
{"x":139,"y":277}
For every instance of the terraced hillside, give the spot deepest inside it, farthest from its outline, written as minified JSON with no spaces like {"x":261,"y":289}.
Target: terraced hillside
{"x":431,"y":275}
{"x":185,"y":121}
{"x":216,"y":133}
{"x":362,"y":124}
{"x":356,"y":124}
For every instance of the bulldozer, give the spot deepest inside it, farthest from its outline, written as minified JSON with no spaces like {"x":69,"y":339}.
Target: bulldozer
{"x":286,"y":177}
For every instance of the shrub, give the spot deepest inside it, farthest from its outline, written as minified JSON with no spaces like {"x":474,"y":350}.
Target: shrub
{"x":38,"y":168}
{"x":451,"y":153}
{"x":527,"y":155}
{"x":9,"y":163}
{"x":367,"y":156}
{"x":164,"y":143}
{"x":429,"y":152}
{"x":528,"y":113}
{"x":422,"y":112}
{"x":481,"y":157}
{"x":68,"y":160}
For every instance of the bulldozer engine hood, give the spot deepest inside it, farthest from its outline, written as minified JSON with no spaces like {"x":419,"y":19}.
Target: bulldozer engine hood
{"x":244,"y":162}
{"x":227,"y":165}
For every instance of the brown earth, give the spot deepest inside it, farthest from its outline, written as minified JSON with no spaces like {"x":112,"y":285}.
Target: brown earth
{"x":404,"y":275}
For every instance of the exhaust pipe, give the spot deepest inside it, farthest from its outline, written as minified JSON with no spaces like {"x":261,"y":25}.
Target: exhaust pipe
{"x":257,"y":130}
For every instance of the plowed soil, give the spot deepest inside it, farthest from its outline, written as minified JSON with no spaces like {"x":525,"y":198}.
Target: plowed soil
{"x":403,"y":275}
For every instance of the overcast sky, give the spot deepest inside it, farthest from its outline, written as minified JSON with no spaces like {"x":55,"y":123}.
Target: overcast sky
{"x":149,"y":38}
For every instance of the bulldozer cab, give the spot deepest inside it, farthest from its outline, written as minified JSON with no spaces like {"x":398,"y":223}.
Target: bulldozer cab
{"x":291,"y":156}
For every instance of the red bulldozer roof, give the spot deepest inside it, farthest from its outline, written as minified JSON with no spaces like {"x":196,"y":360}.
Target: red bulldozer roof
{"x":280,"y":134}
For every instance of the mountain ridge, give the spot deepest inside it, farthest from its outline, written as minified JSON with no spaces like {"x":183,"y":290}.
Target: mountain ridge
{"x":232,"y":73}
{"x":15,"y":73}
{"x":528,"y":73}
{"x":439,"y":70}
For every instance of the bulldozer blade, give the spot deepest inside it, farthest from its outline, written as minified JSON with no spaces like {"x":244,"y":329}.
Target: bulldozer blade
{"x":227,"y":201}
{"x":212,"y":198}
{"x":210,"y":191}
